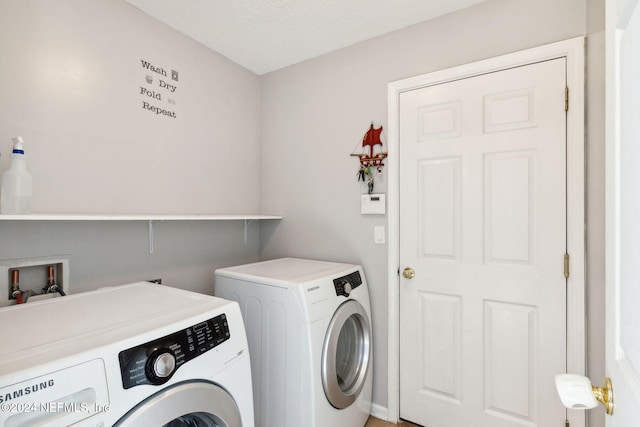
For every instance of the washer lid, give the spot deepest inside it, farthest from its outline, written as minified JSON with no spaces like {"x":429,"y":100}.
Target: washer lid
{"x":39,"y":332}
{"x":286,"y":272}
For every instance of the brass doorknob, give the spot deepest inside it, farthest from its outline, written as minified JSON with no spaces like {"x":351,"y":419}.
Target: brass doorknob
{"x":408,"y":273}
{"x":604,"y":395}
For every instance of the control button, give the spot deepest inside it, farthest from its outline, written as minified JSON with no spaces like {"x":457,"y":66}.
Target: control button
{"x":347,"y":288}
{"x":160,"y":366}
{"x":164,"y":365}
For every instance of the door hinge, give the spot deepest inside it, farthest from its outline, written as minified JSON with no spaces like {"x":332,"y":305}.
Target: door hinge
{"x":566,"y":266}
{"x":566,"y":98}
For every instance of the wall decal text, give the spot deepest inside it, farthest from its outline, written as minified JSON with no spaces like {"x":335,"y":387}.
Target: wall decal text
{"x":158,"y":88}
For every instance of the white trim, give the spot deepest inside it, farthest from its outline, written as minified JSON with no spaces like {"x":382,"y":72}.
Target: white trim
{"x":379,"y":412}
{"x":573,"y":51}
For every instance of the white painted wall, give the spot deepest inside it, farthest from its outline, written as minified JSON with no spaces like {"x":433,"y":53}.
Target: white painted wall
{"x":315,"y":113}
{"x":71,"y":76}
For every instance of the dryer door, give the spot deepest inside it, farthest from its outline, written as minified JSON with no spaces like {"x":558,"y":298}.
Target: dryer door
{"x":190,"y":403}
{"x":346,"y":354}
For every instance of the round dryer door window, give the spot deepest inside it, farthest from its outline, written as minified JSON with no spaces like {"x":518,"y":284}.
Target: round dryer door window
{"x":198,"y":419}
{"x":188,"y":404}
{"x":346,"y":354}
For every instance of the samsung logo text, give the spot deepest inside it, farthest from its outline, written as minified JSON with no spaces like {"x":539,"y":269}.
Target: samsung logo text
{"x":25,"y":391}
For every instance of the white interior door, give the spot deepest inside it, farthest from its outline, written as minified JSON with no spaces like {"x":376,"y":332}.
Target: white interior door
{"x":483,"y":225}
{"x":623,"y":211}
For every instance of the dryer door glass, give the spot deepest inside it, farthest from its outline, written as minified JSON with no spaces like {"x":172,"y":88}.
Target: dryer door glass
{"x":198,"y":419}
{"x":346,"y":354}
{"x":349,"y":353}
{"x":186,"y":404}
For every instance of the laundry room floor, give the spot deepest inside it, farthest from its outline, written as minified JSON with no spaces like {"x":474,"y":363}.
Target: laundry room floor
{"x":376,"y":422}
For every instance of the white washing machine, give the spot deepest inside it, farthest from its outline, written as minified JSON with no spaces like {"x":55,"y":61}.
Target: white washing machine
{"x":138,"y":355}
{"x":309,"y":329}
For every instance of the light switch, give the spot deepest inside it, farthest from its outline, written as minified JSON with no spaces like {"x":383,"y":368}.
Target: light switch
{"x":378,"y":235}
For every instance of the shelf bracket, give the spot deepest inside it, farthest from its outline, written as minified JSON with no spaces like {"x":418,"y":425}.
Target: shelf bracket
{"x":152,"y":224}
{"x":246,"y":229}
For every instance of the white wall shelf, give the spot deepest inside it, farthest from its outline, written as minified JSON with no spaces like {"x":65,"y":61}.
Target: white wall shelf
{"x":150,"y":218}
{"x":134,"y":217}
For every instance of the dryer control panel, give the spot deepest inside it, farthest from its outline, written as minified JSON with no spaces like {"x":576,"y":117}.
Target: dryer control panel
{"x":346,"y":284}
{"x":156,"y":361}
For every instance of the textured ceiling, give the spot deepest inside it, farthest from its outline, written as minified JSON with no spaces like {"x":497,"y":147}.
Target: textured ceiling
{"x":265,"y":35}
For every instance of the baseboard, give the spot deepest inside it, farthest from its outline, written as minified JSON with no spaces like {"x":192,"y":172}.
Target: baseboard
{"x":380,"y":412}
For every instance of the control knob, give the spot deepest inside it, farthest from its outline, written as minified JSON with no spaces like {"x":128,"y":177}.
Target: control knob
{"x":160,"y":366}
{"x":346,"y":286}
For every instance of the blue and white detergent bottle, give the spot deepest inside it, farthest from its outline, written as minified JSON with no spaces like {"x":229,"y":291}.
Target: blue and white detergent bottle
{"x":15,"y":194}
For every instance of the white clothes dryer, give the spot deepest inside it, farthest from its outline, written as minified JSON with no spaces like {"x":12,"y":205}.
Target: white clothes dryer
{"x":309,"y":329}
{"x":138,"y":355}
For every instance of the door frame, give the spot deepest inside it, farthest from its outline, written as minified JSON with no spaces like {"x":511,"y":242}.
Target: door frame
{"x":573,"y":51}
{"x":626,"y":389}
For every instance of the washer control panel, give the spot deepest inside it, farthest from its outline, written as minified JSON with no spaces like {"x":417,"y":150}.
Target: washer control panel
{"x":156,"y":361}
{"x":346,"y":284}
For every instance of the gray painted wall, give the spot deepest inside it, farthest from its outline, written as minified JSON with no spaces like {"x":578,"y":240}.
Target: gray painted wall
{"x":315,"y":113}
{"x":72,"y":74}
{"x":595,"y":204}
